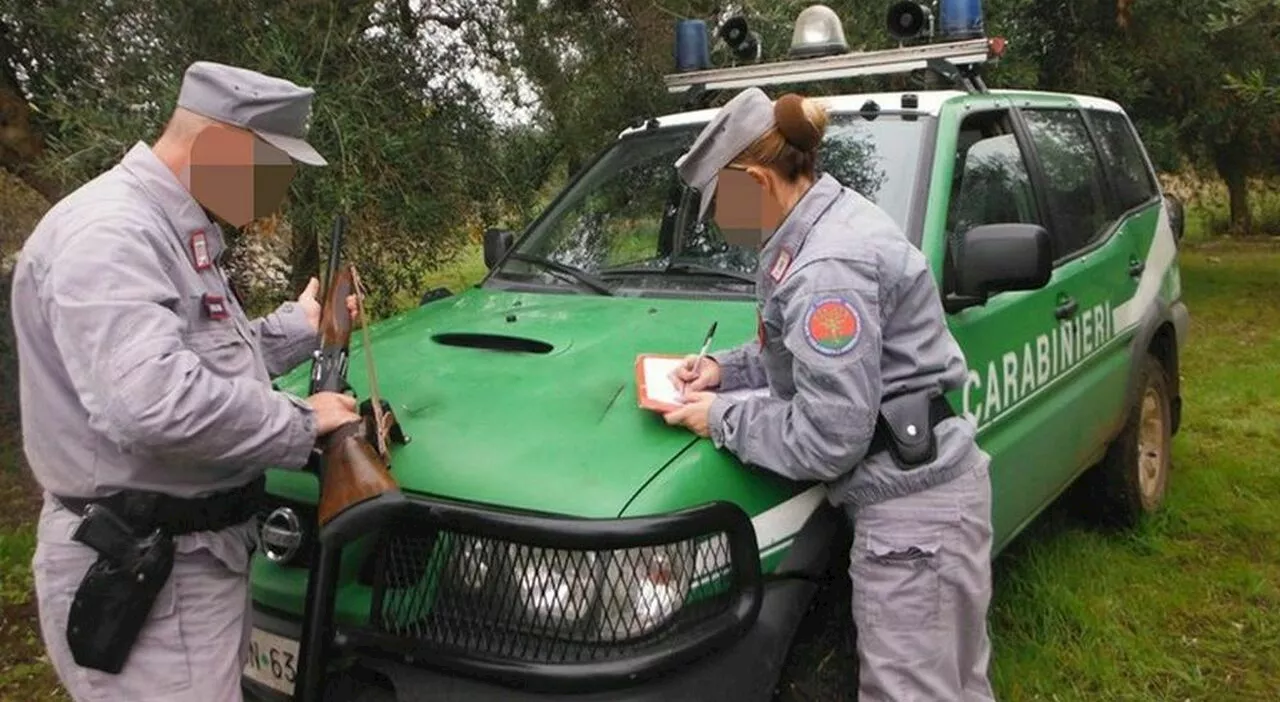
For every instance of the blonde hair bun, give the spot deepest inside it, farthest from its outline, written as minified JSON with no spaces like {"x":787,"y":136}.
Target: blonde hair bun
{"x":801,"y":121}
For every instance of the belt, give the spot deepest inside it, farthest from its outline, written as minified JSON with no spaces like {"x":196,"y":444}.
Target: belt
{"x":146,"y":511}
{"x":939,"y":410}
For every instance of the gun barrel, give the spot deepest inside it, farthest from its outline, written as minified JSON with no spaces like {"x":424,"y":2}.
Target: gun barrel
{"x":335,"y":250}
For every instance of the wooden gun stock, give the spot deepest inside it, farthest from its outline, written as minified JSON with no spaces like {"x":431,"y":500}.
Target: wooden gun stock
{"x":353,"y":472}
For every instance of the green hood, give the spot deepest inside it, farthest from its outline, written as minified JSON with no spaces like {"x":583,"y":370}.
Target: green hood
{"x":554,"y":428}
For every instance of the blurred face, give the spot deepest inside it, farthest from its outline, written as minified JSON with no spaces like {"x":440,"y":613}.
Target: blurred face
{"x":746,"y":208}
{"x":238,"y":176}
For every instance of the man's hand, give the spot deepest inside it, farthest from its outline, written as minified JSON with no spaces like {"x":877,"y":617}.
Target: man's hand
{"x":694,"y":414}
{"x":311,"y":305}
{"x":333,"y":409}
{"x":692,"y":376}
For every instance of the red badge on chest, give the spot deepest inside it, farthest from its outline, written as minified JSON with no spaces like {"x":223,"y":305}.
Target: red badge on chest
{"x":781,"y":265}
{"x":214,"y":306}
{"x":200,"y":251}
{"x":760,"y":329}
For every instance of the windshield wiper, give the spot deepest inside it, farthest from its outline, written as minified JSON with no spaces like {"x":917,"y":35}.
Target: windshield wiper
{"x":708,"y":270}
{"x":680,"y":268}
{"x":576,"y":273}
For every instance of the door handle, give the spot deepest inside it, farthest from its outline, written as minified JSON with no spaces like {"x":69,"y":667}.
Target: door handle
{"x":1066,"y":309}
{"x":1136,"y":267}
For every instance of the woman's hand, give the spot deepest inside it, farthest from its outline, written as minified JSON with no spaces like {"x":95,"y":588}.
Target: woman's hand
{"x":695,"y":414}
{"x":694,"y":376}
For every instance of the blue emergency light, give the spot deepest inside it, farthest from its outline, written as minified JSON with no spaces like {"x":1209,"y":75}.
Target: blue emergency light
{"x":961,"y":19}
{"x":693,"y":51}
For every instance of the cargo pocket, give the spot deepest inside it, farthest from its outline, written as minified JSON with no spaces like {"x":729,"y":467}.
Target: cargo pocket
{"x":895,"y":575}
{"x":223,"y":350}
{"x":158,"y":665}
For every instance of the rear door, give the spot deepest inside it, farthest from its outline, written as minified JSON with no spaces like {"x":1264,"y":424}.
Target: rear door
{"x":1136,"y":210}
{"x":1094,"y":258}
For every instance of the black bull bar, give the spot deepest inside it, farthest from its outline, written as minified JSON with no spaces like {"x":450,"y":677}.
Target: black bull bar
{"x":409,"y":532}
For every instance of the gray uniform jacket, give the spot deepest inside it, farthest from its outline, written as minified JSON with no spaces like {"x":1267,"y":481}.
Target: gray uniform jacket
{"x":849,"y":313}
{"x":138,"y":367}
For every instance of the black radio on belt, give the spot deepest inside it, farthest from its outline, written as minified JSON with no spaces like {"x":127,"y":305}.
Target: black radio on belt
{"x":906,"y":428}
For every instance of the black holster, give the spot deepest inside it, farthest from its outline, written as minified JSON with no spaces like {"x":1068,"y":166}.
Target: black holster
{"x":115,"y":598}
{"x":905,"y":428}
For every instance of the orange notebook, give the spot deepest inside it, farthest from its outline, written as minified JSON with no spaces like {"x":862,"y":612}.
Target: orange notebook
{"x":654,"y":389}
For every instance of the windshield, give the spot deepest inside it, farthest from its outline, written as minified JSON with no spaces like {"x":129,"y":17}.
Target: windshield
{"x":626,"y":227}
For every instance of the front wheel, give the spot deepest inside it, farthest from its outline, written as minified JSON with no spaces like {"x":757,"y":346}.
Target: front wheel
{"x":1131,"y":480}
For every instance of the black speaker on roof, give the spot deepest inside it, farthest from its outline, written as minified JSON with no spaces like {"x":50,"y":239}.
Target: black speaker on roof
{"x":908,"y":19}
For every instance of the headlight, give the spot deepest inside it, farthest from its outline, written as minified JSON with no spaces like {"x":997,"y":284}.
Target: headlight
{"x":468,"y":571}
{"x":648,"y":586}
{"x":557,"y":588}
{"x":582,"y":595}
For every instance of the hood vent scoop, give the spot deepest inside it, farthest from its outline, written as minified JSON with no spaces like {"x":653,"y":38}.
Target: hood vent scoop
{"x":493,"y":342}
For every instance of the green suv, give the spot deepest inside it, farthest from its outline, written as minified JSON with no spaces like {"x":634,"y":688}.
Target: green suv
{"x":560,"y":542}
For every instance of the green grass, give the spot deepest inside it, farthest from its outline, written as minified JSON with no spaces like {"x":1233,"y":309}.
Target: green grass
{"x":24,"y":675}
{"x":1187,"y":607}
{"x":464,"y":271}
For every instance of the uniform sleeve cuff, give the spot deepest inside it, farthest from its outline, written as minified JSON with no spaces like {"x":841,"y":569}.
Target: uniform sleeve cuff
{"x":716,"y":420}
{"x":729,"y":368}
{"x":302,"y":439}
{"x":298,"y":338}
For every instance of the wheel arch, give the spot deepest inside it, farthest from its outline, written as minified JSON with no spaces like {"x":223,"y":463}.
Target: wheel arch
{"x":1157,"y":335}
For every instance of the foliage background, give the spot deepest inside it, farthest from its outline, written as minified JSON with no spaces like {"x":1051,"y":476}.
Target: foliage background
{"x":443,"y":117}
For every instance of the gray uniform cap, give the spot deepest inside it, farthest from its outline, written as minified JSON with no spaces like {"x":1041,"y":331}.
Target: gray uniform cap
{"x":742,"y":120}
{"x":275,"y":109}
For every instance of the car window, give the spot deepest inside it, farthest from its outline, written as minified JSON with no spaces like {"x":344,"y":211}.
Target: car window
{"x":619,"y":217}
{"x":1072,"y":174}
{"x":993,"y":186}
{"x":991,"y":183}
{"x":1122,"y":155}
{"x":630,"y":222}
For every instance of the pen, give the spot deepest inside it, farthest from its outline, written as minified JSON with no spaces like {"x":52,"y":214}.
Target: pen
{"x":697,"y":365}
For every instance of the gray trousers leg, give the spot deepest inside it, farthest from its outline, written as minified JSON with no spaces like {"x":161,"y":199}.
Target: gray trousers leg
{"x":193,"y":647}
{"x":921,"y":577}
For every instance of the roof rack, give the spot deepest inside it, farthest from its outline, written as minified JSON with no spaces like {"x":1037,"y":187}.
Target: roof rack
{"x":955,"y":60}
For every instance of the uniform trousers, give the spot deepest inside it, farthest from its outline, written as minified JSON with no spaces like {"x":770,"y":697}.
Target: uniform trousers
{"x":920,"y":567}
{"x":195,"y":644}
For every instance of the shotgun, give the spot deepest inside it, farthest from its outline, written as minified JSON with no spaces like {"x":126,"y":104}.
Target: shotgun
{"x":351,"y":469}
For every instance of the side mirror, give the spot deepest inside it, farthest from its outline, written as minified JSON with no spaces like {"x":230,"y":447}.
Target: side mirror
{"x":434,"y":294}
{"x":995,"y":258}
{"x":496,"y":243}
{"x":1177,"y":217}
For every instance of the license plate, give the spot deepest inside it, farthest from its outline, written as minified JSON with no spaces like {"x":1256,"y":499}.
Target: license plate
{"x":273,"y":661}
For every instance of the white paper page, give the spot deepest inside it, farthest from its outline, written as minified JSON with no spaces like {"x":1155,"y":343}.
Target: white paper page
{"x":657,"y":383}
{"x":660,"y":387}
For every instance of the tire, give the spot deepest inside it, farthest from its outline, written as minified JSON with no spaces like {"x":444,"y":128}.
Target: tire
{"x":1130,"y":482}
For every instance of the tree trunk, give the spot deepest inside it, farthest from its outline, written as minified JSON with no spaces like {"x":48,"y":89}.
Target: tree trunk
{"x":21,"y":144}
{"x":1231,"y":164}
{"x":1241,"y":216}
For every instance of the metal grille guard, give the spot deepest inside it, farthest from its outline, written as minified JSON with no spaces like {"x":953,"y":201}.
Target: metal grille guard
{"x":420,"y":614}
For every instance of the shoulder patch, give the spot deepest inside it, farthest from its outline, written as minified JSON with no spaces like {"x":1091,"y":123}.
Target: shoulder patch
{"x":832,"y":325}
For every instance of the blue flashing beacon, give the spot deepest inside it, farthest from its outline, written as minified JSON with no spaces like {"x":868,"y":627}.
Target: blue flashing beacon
{"x":961,"y":19}
{"x":693,"y":51}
